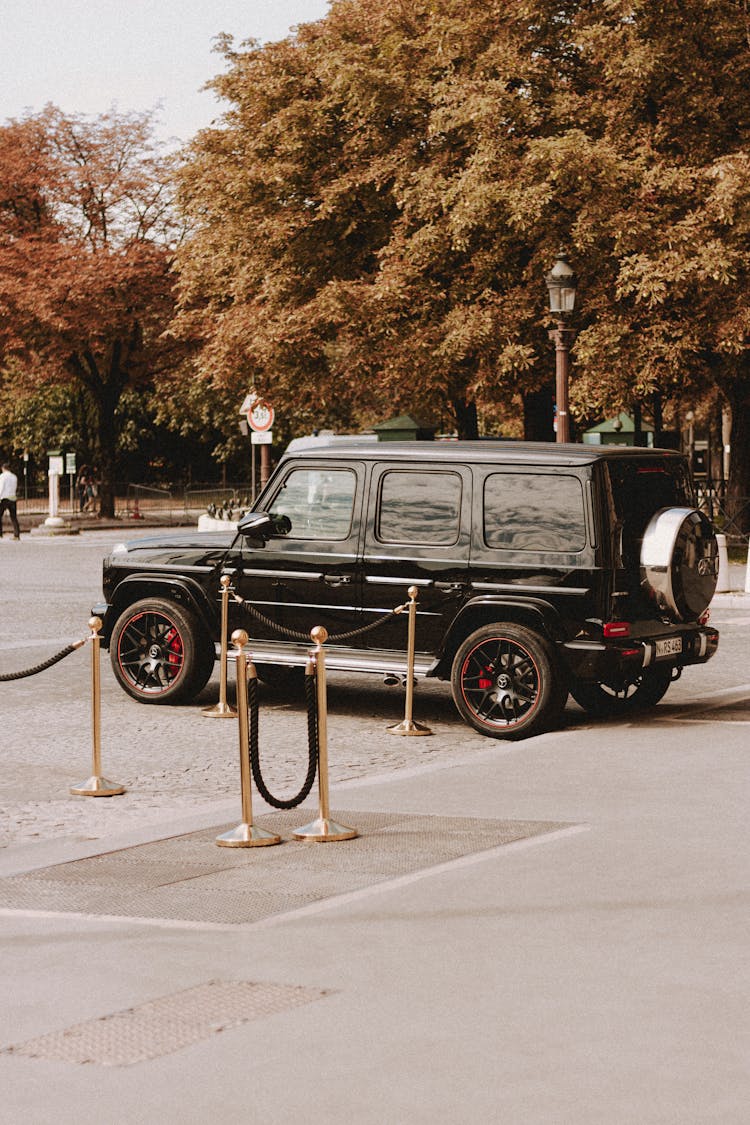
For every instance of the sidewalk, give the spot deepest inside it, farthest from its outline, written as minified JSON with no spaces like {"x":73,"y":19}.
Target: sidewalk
{"x":552,"y":931}
{"x":735,"y":597}
{"x":34,"y":524}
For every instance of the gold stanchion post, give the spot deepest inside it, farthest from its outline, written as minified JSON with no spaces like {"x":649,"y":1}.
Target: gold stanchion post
{"x":246,"y":834}
{"x":408,"y":726}
{"x":96,"y":785}
{"x":323,"y":829}
{"x":222,"y":709}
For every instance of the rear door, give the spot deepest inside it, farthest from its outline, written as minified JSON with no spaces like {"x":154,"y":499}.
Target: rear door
{"x":308,"y":575}
{"x":533,"y":537}
{"x":417,"y":534}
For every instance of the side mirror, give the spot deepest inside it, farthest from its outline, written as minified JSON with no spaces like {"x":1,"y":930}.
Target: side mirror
{"x":256,"y":526}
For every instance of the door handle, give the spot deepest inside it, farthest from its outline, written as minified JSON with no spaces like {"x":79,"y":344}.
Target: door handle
{"x":449,"y":587}
{"x":337,"y":579}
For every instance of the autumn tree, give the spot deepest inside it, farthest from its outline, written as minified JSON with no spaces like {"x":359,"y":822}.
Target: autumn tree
{"x":378,"y":206}
{"x":87,"y":235}
{"x":352,"y":251}
{"x":645,"y":157}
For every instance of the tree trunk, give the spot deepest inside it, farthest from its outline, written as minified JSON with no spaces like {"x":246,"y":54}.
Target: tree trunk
{"x":738,"y":487}
{"x":106,"y":446}
{"x":538,"y":415}
{"x":466,"y":419}
{"x":656,"y":406}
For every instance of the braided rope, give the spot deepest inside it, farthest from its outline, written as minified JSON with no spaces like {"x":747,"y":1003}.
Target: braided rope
{"x":6,"y":676}
{"x":292,"y":634}
{"x":312,"y":744}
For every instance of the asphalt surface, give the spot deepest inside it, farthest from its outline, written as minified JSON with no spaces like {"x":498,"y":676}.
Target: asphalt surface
{"x":546,"y":931}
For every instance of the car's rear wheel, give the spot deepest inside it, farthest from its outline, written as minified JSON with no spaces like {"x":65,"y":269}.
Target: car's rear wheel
{"x":507,"y":682}
{"x":282,"y":678}
{"x":160,"y":653}
{"x":626,"y":696}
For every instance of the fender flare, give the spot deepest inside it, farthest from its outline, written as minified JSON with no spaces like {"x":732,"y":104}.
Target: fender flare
{"x":184,"y":591}
{"x":535,"y":613}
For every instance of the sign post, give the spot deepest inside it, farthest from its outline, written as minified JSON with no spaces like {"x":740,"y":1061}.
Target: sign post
{"x":260,"y":417}
{"x":55,"y":471}
{"x":70,"y":469}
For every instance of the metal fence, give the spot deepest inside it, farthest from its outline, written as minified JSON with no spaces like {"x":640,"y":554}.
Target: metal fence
{"x":142,"y":502}
{"x":714,"y":503}
{"x":135,"y":502}
{"x":34,"y":500}
{"x":231,"y":497}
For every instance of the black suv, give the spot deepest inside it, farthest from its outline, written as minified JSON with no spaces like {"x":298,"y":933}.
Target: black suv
{"x":541,"y":570}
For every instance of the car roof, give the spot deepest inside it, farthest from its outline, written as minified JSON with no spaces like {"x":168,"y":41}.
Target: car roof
{"x":486,"y":451}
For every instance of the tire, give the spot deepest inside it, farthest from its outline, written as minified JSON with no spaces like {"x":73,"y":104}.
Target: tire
{"x":507,"y":682}
{"x":160,"y":652}
{"x":680,"y":562}
{"x":204,"y":664}
{"x":282,"y":678}
{"x":625,"y":698}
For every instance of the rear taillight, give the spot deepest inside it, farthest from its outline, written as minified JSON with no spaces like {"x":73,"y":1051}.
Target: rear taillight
{"x":616,"y":629}
{"x":704,"y":617}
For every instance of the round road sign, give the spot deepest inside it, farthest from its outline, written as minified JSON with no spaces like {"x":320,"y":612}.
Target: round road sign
{"x":260,"y":416}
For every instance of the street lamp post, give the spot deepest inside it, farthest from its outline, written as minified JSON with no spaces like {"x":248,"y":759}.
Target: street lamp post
{"x":561,"y":283}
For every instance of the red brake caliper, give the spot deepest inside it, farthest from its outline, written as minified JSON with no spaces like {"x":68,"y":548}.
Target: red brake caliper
{"x":173,"y":642}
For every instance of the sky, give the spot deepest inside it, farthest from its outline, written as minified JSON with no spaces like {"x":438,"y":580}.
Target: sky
{"x":88,"y":56}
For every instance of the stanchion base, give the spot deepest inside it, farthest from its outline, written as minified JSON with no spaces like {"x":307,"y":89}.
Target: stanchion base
{"x":220,"y":711}
{"x":97,"y":787}
{"x":247,"y":836}
{"x":324,"y":830}
{"x":409,"y":728}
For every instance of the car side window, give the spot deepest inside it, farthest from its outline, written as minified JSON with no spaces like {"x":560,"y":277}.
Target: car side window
{"x":534,"y":512}
{"x":318,"y":503}
{"x":422,"y":508}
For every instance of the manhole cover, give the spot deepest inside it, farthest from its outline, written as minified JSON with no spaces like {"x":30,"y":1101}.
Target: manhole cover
{"x":188,"y":878}
{"x":167,"y":1024}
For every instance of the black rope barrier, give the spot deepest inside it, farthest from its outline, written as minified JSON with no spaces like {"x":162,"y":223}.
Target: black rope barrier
{"x":293,"y":635}
{"x":6,"y":676}
{"x":312,"y":744}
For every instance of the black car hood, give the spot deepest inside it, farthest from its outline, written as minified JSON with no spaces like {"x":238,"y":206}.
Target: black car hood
{"x":208,"y":540}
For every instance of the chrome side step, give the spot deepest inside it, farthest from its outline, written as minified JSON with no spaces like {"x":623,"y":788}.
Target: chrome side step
{"x":337,"y":659}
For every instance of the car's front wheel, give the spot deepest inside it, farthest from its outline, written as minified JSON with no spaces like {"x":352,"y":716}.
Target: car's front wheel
{"x":624,"y":697}
{"x":160,"y":653}
{"x":507,"y":682}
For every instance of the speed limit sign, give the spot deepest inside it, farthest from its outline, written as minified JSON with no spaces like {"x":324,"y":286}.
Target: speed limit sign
{"x":259,"y":413}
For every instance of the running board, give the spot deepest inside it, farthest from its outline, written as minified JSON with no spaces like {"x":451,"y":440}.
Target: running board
{"x":337,"y":659}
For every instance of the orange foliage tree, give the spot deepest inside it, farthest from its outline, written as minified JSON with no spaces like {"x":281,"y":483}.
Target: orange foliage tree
{"x":87,"y":236}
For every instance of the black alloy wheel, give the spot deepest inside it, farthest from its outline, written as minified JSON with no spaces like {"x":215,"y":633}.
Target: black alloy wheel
{"x":627,"y":696}
{"x":507,"y":682}
{"x":282,"y":678}
{"x":159,"y":652}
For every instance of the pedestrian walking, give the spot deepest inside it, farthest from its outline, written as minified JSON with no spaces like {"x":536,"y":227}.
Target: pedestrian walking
{"x":82,"y":487}
{"x":8,"y":489}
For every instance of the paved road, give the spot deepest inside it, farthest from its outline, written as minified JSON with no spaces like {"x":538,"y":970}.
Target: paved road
{"x":593,"y":974}
{"x":172,"y":759}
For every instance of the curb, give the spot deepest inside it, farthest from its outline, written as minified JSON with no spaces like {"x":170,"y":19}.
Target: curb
{"x":735,"y":599}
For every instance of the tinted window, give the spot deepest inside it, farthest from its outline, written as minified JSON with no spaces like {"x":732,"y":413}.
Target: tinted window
{"x":317,"y":502}
{"x":534,"y":512}
{"x":420,"y":508}
{"x":641,"y":488}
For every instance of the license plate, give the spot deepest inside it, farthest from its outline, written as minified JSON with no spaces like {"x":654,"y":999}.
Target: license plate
{"x":670,"y":646}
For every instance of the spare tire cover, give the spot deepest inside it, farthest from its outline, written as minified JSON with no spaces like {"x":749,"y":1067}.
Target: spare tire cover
{"x":680,"y":562}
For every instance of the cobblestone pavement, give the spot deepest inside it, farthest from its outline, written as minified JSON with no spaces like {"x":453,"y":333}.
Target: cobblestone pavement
{"x":173,"y":759}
